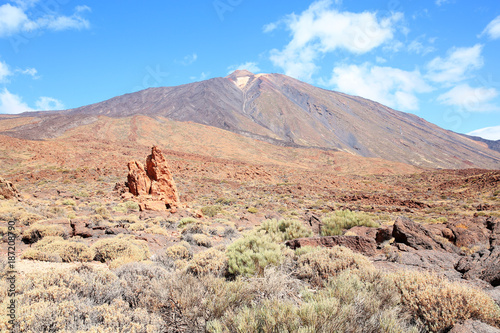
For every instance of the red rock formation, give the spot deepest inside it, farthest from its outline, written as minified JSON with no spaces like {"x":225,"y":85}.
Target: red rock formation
{"x":153,"y":183}
{"x":7,"y":189}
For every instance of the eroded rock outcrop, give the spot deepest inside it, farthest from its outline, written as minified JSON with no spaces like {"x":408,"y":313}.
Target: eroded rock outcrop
{"x":7,"y":189}
{"x":152,"y":183}
{"x":358,"y":244}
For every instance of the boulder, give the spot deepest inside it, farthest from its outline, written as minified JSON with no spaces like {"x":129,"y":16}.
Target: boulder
{"x":358,"y":244}
{"x":474,"y":326}
{"x":7,"y":189}
{"x":418,"y":237}
{"x":470,"y":232}
{"x":484,"y":265}
{"x":81,"y":228}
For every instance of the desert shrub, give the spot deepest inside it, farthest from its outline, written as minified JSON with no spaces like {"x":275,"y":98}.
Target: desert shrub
{"x":224,"y":201}
{"x":179,"y":251}
{"x":139,"y":226}
{"x":252,"y":210}
{"x":438,"y":304}
{"x":319,"y":264}
{"x":186,"y":220}
{"x":139,"y":283}
{"x":335,"y":223}
{"x":212,"y":261}
{"x":194,"y":228}
{"x":33,"y":254}
{"x":52,"y":247}
{"x":121,"y":246}
{"x":202,"y":240}
{"x":103,"y":211}
{"x":69,"y":202}
{"x":211,"y":211}
{"x":284,"y":229}
{"x":251,"y":254}
{"x":39,"y":231}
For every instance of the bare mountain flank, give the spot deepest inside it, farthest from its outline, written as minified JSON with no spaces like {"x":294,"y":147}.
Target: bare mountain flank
{"x":283,"y":111}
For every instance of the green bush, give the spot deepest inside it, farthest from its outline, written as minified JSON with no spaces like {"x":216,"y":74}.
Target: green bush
{"x":335,"y":223}
{"x":187,"y":220}
{"x":251,"y":254}
{"x":284,"y":229}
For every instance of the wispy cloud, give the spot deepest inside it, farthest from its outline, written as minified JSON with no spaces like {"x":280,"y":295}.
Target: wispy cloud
{"x":390,"y":86}
{"x":488,"y":133}
{"x":23,"y":17}
{"x":250,"y":66}
{"x":473,"y":99}
{"x":49,"y":103}
{"x":4,"y":71}
{"x":456,"y":65}
{"x":189,"y":59}
{"x":313,"y":35}
{"x":492,"y":30}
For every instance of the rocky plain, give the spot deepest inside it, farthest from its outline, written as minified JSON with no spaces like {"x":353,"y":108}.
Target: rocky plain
{"x":147,"y":224}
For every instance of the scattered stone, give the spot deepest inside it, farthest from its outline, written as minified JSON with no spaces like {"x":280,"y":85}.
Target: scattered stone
{"x":358,"y":244}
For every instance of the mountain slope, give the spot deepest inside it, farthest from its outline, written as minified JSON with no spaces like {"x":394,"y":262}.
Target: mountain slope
{"x":284,"y":111}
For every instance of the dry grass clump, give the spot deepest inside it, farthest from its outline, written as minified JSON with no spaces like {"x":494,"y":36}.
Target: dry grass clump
{"x":438,"y":304}
{"x":122,"y":248}
{"x":84,"y":299}
{"x":283,"y":230}
{"x":317,"y":265}
{"x":56,"y":249}
{"x":335,"y":223}
{"x":39,"y":231}
{"x":212,"y":261}
{"x":202,"y":240}
{"x":179,"y":251}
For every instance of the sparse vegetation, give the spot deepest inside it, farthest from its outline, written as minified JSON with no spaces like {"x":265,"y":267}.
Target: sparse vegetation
{"x":335,"y":223}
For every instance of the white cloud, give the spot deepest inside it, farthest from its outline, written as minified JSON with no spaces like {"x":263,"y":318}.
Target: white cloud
{"x":4,"y":71}
{"x":48,"y":103}
{"x":493,"y":29}
{"x":203,"y":76}
{"x":15,"y":19}
{"x":12,"y":19}
{"x":456,"y":66}
{"x":441,"y":2}
{"x":189,"y":59}
{"x":390,"y":86}
{"x":488,"y":133}
{"x":29,"y":71}
{"x":10,"y":103}
{"x":418,"y":47}
{"x":321,"y":29}
{"x":470,"y":98}
{"x":249,"y":66}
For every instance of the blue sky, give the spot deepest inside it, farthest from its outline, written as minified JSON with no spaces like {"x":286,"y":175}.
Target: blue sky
{"x":438,"y":59}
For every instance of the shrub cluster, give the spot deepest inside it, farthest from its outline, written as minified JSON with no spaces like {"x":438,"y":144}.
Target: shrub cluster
{"x":335,"y":223}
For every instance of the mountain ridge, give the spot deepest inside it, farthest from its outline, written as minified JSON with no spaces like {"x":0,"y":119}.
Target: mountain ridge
{"x":286,"y":112}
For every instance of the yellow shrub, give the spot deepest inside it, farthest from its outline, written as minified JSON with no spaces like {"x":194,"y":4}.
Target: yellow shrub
{"x":317,"y":265}
{"x":439,"y":304}
{"x":39,"y":231}
{"x":202,"y":240}
{"x":68,"y":251}
{"x":179,"y":251}
{"x":120,"y":246}
{"x":212,"y":261}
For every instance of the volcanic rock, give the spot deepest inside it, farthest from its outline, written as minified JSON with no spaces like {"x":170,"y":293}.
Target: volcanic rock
{"x":7,"y":189}
{"x":358,"y":244}
{"x":474,"y":326}
{"x":484,"y":265}
{"x":153,"y":183}
{"x":417,"y":236}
